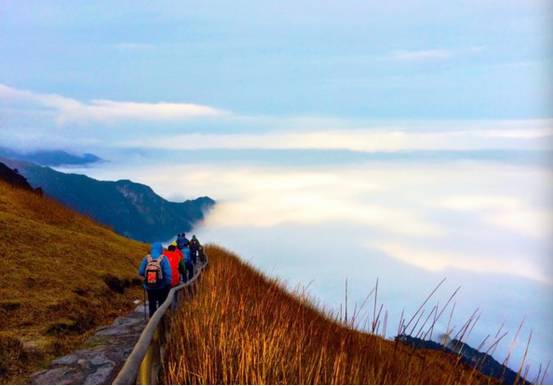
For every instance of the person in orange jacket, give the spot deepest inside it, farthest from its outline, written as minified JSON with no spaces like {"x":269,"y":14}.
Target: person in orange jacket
{"x":176,"y":261}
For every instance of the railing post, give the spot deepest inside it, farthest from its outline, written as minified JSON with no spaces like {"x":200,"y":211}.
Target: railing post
{"x":146,"y":370}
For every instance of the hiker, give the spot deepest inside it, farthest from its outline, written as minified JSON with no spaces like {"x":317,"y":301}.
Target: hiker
{"x":176,"y":261}
{"x":201,"y":254}
{"x":182,"y":241}
{"x":156,"y":270}
{"x":182,"y":265}
{"x":188,"y":262}
{"x":194,"y":247}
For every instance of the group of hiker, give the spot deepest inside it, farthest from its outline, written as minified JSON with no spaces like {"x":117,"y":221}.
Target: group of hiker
{"x":164,"y":268}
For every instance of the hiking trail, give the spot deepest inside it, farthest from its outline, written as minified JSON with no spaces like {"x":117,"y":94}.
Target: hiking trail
{"x":102,"y":357}
{"x":104,"y":354}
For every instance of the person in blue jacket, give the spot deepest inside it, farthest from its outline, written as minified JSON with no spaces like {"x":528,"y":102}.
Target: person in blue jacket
{"x":188,"y":262}
{"x":156,"y":270}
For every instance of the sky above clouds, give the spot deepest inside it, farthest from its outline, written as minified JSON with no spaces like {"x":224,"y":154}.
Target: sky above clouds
{"x":100,"y":71}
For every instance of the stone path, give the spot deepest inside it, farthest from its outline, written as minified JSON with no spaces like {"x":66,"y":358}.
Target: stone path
{"x":105,"y":354}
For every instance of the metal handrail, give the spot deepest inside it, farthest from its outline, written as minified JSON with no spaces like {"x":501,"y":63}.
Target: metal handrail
{"x":144,"y":364}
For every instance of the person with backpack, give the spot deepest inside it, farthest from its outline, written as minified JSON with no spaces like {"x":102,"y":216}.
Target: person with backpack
{"x":188,"y":262}
{"x":156,"y":270}
{"x":176,"y":261}
{"x":194,"y":247}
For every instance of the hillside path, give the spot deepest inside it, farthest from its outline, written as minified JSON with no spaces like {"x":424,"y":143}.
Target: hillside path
{"x":103,"y":355}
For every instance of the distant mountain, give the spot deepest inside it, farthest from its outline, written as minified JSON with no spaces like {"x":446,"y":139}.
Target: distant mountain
{"x":483,"y":362}
{"x":49,"y":157}
{"x":131,"y":209}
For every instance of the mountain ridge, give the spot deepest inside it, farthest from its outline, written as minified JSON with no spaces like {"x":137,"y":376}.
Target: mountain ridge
{"x":130,"y":208}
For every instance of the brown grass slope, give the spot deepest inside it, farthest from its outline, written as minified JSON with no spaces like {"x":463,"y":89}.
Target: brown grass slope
{"x":243,"y":328}
{"x":57,"y":270}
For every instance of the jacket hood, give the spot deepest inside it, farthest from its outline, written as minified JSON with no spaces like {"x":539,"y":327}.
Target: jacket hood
{"x":156,"y":250}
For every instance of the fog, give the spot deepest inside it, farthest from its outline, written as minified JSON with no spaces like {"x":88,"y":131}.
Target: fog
{"x":484,"y":226}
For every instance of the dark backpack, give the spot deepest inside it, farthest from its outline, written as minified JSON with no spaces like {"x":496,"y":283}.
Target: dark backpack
{"x":182,"y":242}
{"x":153,"y":274}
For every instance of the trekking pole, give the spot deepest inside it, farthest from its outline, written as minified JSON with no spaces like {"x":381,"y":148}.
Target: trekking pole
{"x":145,"y":318}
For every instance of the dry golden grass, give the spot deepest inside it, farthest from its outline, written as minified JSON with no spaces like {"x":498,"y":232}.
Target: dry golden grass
{"x":243,"y":328}
{"x":53,"y":290}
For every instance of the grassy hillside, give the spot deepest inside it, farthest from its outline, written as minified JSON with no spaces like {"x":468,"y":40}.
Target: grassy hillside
{"x":242,"y":328}
{"x":62,"y":275}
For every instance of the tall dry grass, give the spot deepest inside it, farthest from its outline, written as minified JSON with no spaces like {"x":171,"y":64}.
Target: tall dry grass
{"x":243,"y":328}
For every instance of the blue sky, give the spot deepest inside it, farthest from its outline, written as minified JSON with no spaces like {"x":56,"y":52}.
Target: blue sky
{"x":92,"y":76}
{"x":362,"y":59}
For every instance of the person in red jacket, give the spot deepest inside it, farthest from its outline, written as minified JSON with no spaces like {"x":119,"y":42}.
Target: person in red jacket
{"x":176,"y":261}
{"x":182,"y":263}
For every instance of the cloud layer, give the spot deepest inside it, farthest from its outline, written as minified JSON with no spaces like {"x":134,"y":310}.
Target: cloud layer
{"x":433,"y":54}
{"x":166,"y":126}
{"x":369,"y":140}
{"x":67,"y":110}
{"x":427,"y":209}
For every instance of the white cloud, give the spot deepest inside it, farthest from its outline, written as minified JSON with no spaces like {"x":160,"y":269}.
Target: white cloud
{"x":275,"y":132}
{"x":68,"y":110}
{"x":431,"y":54}
{"x":429,"y":216}
{"x":480,"y":203}
{"x":404,"y":55}
{"x":107,"y":110}
{"x":506,"y":212}
{"x":307,"y":197}
{"x":267,"y":197}
{"x":130,"y":46}
{"x":359,"y":140}
{"x":536,"y":133}
{"x":439,"y":260}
